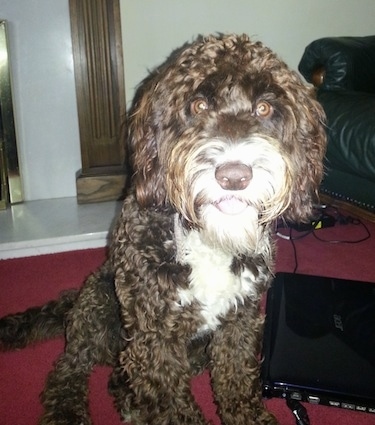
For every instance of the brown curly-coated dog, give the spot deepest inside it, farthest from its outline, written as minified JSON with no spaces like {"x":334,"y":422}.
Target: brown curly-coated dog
{"x":224,"y":139}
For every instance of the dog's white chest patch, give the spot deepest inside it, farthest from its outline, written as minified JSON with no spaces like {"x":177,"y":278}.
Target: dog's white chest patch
{"x":212,"y":283}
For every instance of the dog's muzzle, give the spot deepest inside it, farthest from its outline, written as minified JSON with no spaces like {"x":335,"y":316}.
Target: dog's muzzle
{"x":232,"y":176}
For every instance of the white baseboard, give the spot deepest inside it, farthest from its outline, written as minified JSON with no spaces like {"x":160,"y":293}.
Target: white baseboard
{"x":55,"y":225}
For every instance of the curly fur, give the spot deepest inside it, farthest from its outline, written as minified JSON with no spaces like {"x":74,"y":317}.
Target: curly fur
{"x":224,"y":139}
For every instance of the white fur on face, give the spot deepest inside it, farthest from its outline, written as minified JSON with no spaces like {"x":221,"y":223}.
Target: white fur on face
{"x":231,"y":222}
{"x":231,"y":218}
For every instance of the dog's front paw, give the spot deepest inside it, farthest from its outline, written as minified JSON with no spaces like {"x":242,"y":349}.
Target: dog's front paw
{"x":266,"y":418}
{"x":129,"y":416}
{"x":248,"y":416}
{"x":64,"y":418}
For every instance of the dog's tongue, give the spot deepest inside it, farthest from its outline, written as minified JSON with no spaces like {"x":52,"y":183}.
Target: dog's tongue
{"x":231,"y":206}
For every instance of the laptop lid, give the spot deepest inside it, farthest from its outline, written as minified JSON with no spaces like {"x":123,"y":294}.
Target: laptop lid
{"x":319,"y":341}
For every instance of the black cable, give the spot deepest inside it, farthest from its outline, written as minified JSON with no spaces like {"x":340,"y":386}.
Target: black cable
{"x":294,"y":251}
{"x":349,"y":220}
{"x":341,"y":219}
{"x":299,"y":412}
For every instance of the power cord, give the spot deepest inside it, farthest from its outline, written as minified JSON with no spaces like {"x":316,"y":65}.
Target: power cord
{"x":299,"y":412}
{"x":319,"y":222}
{"x":345,"y":221}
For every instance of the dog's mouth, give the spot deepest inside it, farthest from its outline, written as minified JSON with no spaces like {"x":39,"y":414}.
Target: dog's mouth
{"x":231,"y":205}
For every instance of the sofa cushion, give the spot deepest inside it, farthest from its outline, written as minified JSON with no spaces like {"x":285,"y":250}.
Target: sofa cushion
{"x":348,"y":62}
{"x":351,"y":131}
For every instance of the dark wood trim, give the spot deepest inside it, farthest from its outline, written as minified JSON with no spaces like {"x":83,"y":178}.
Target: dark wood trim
{"x":100,"y":188}
{"x":100,"y":88}
{"x":348,"y":207}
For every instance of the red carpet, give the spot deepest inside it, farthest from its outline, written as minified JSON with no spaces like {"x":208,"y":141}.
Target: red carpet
{"x":32,"y":281}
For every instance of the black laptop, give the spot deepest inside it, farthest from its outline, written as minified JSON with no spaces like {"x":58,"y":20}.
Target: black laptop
{"x":319,"y":341}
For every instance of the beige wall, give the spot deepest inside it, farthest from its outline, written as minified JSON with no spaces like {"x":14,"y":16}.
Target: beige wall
{"x":42,"y":62}
{"x":152,"y":28}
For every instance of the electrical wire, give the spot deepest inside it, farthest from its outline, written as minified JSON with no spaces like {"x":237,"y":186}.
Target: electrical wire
{"x":356,"y":222}
{"x":294,"y":252}
{"x":299,"y":412}
{"x":339,"y":218}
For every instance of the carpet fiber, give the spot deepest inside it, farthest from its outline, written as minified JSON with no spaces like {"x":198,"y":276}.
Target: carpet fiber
{"x":32,"y":281}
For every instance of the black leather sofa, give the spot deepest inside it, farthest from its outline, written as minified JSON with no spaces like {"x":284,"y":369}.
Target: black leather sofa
{"x":343,"y":70}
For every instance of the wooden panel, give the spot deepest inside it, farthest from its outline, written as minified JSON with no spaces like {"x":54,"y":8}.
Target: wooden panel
{"x":99,"y":75}
{"x":100,"y":188}
{"x":352,"y":209}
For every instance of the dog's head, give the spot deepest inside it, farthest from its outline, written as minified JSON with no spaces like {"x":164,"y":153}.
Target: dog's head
{"x":224,"y":132}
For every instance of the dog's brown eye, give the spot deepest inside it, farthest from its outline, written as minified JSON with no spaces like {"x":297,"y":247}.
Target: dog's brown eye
{"x":198,"y":106}
{"x":264,"y":109}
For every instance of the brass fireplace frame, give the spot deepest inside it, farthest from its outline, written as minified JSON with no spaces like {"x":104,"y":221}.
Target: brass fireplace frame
{"x":10,"y":179}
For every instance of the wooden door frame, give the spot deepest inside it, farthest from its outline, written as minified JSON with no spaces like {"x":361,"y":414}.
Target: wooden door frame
{"x":100,"y":91}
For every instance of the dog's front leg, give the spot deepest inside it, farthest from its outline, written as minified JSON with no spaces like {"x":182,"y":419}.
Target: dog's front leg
{"x":92,"y":337}
{"x":158,"y":377}
{"x":235,"y":369}
{"x":65,"y":397}
{"x":153,"y":367}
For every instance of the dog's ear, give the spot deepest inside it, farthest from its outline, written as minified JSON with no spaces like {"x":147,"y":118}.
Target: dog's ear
{"x":309,"y":146}
{"x":148,"y":179}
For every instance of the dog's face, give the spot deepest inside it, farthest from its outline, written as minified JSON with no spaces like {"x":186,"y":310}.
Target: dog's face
{"x":228,"y":135}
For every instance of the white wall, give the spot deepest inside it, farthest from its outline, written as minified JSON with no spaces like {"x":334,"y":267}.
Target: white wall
{"x":153,"y":28}
{"x":42,"y":61}
{"x":44,"y":95}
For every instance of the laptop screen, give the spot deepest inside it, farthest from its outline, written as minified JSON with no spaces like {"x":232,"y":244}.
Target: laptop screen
{"x":319,"y":341}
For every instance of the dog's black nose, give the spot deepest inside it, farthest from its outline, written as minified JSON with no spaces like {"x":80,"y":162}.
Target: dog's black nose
{"x":233,"y":175}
